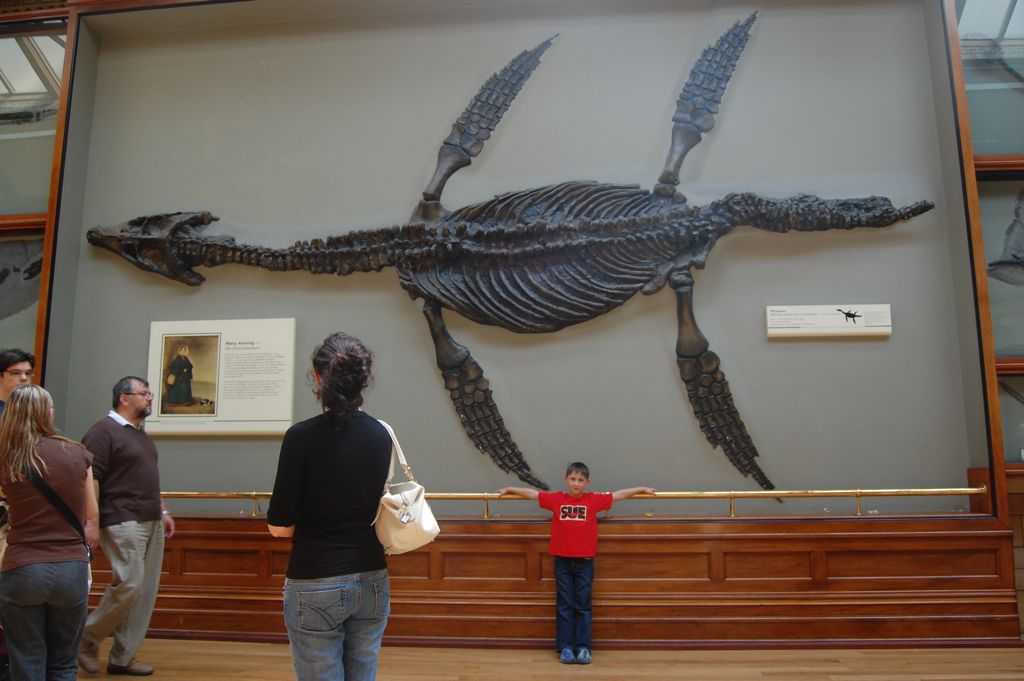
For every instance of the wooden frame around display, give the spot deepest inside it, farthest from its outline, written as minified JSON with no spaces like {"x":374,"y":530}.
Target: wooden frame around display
{"x":43,"y":222}
{"x":978,"y":266}
{"x":30,"y":223}
{"x":75,"y":9}
{"x":975,"y":167}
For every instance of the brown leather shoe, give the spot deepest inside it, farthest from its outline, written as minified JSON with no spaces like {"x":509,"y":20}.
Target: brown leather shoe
{"x":88,"y":658}
{"x":133,"y":668}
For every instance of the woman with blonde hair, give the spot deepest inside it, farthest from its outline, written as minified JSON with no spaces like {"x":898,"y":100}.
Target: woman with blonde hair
{"x":44,"y":577}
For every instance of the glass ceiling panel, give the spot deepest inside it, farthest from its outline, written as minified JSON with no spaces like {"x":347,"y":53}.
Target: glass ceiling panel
{"x":983,"y":19}
{"x":29,"y":61}
{"x":17,"y":69}
{"x":53,"y":51}
{"x":1015,"y":29}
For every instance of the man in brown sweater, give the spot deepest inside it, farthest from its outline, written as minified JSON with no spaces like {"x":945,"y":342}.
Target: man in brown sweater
{"x":132,"y":526}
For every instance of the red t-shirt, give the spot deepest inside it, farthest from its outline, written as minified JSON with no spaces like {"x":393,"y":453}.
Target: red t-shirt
{"x":574,"y":523}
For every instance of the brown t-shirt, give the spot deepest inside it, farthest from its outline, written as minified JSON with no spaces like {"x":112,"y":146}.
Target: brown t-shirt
{"x":39,"y":533}
{"x":125,"y":465}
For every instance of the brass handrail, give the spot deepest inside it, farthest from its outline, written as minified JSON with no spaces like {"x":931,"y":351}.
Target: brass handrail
{"x":731,"y":495}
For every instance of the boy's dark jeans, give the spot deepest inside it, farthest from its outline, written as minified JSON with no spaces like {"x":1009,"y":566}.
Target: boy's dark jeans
{"x":574,"y":578}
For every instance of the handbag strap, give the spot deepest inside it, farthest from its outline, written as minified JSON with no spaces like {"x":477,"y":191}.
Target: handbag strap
{"x":396,"y":451}
{"x":58,"y":503}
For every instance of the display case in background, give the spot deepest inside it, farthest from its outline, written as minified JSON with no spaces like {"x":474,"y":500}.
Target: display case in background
{"x":31,"y":66}
{"x":1011,"y":402}
{"x":21,"y":261}
{"x":998,"y":201}
{"x":991,"y":35}
{"x":992,"y":48}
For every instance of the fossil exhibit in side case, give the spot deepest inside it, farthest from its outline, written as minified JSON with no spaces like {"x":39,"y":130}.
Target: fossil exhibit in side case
{"x":539,"y":260}
{"x":1009,"y":267}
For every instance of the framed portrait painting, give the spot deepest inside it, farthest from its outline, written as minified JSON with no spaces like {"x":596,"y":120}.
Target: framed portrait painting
{"x":227,"y":377}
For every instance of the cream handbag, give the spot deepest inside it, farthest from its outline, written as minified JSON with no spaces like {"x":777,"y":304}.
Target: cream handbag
{"x":404,"y":521}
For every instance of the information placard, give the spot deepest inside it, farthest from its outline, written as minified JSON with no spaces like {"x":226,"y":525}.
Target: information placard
{"x":221,"y":377}
{"x":823,"y":321}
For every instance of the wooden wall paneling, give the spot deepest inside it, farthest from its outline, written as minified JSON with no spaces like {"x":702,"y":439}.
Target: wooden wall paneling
{"x":913,"y":581}
{"x":1015,"y":490}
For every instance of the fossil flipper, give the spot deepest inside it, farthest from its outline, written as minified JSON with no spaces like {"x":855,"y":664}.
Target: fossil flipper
{"x":709,"y":394}
{"x":471,"y":395}
{"x":475,"y":125}
{"x":1010,"y":265}
{"x":698,"y":102}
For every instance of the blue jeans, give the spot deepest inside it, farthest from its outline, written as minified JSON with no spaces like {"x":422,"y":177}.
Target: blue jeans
{"x":42,"y":608}
{"x":335,"y":625}
{"x":574,"y":578}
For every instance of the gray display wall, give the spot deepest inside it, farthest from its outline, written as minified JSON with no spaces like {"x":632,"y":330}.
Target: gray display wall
{"x":297,"y":129}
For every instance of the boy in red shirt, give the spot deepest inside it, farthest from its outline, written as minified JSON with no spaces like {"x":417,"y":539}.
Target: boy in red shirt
{"x":574,"y":544}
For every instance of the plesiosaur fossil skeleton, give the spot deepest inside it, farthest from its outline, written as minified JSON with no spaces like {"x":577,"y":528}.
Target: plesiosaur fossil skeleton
{"x":539,"y":260}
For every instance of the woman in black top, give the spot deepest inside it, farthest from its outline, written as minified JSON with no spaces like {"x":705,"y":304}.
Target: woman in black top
{"x":330,"y":475}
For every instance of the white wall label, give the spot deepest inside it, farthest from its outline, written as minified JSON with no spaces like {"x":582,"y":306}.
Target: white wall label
{"x":824,"y":321}
{"x":221,"y":376}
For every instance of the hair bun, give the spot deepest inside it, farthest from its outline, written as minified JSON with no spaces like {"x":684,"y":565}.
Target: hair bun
{"x":343,"y":365}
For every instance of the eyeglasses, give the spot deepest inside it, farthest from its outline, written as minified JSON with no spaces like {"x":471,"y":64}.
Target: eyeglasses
{"x":148,"y":393}
{"x":14,"y":372}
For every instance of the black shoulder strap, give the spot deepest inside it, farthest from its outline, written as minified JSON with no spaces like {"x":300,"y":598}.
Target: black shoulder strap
{"x":58,"y":503}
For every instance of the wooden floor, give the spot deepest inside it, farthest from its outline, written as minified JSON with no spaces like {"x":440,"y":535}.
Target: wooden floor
{"x":208,"y":661}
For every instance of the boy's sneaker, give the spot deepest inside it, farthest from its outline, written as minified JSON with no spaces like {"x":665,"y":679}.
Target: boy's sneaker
{"x":567,"y":657}
{"x":582,"y":656}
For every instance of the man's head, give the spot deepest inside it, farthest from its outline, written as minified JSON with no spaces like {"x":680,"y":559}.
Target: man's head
{"x":577,"y":477}
{"x":133,"y":399}
{"x":16,"y":368}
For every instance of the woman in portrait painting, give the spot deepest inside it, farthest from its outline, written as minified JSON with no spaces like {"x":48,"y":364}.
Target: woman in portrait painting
{"x":179,"y":378}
